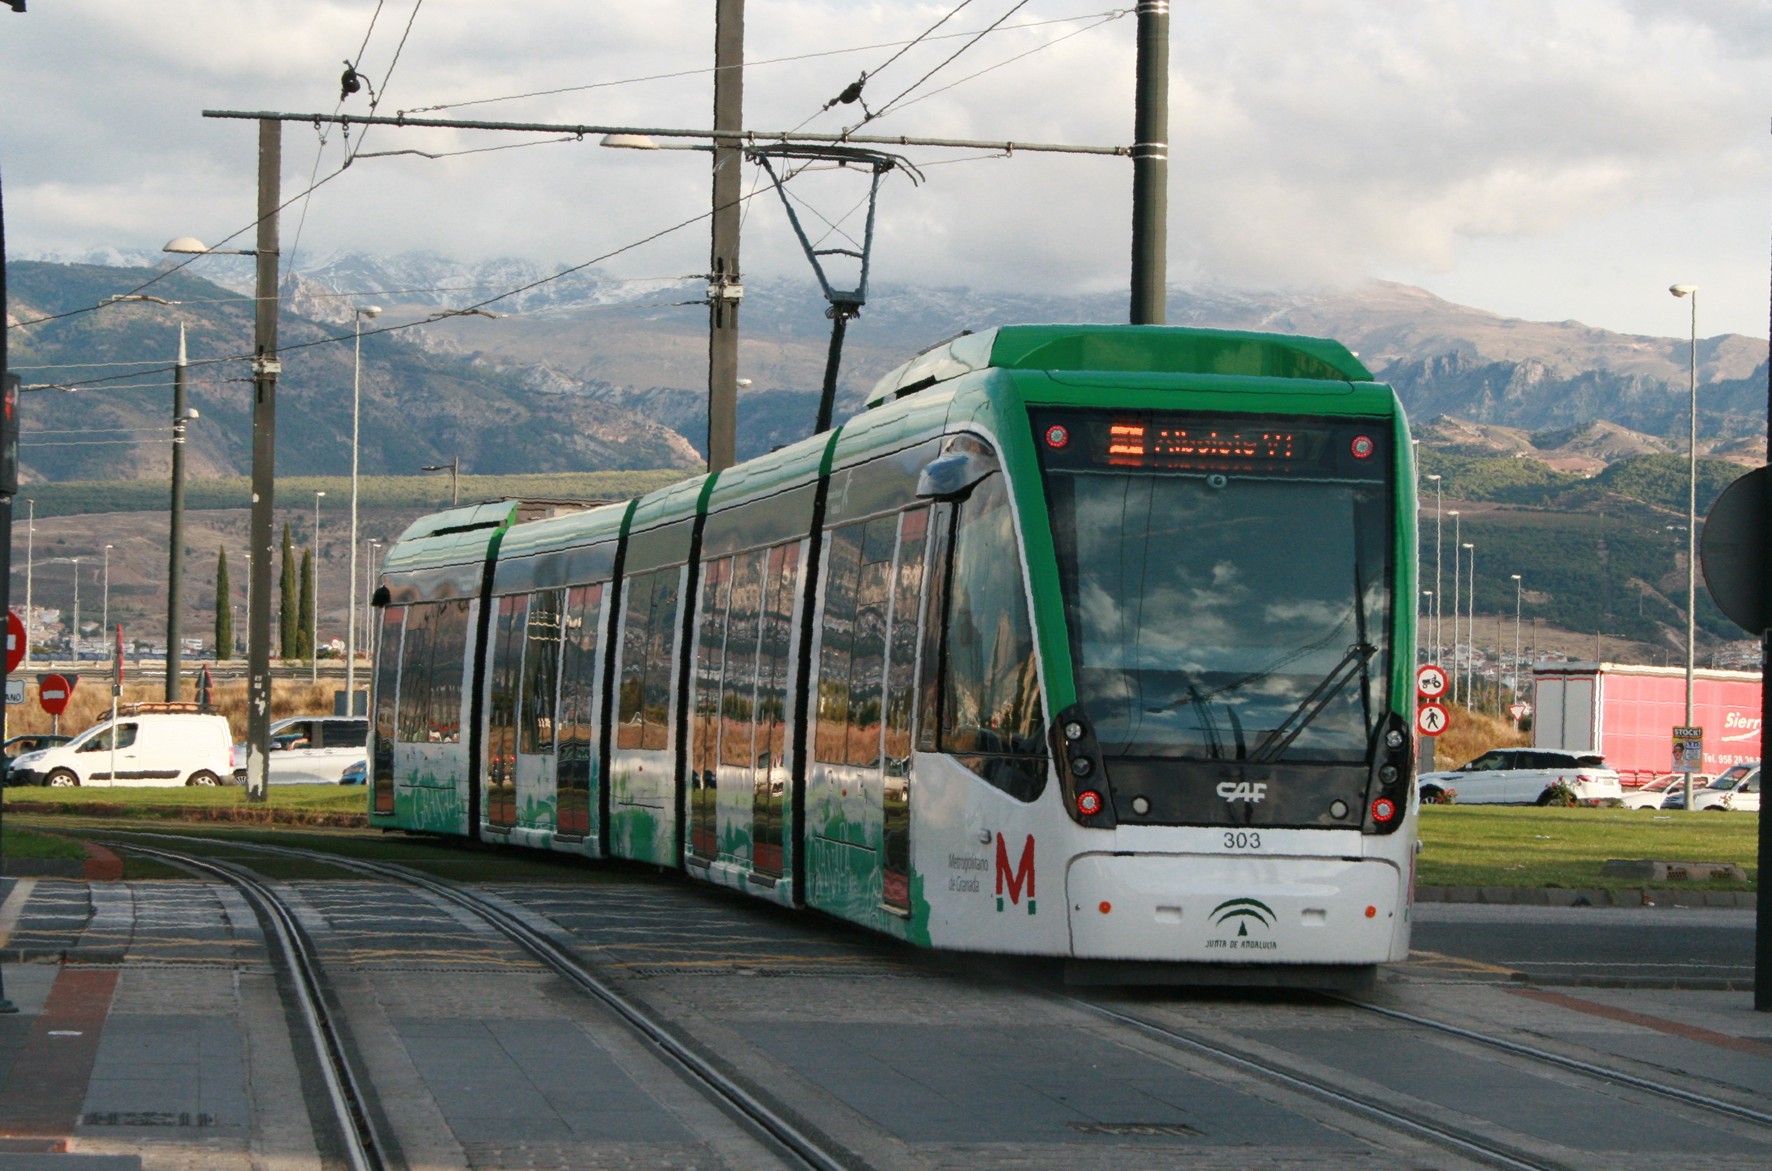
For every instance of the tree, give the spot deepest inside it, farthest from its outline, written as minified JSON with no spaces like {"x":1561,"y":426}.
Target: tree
{"x":288,"y":611}
{"x":224,"y":608}
{"x":304,"y":636}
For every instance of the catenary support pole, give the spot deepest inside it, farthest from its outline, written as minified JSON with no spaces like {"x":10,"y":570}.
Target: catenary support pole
{"x":6,"y":1006}
{"x":265,"y":368}
{"x":175,"y":554}
{"x":1763,"y":905}
{"x":1150,"y":166}
{"x":725,"y":288}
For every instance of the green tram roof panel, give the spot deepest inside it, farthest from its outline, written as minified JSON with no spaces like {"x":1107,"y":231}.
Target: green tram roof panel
{"x":495,"y":515}
{"x":1127,"y":349}
{"x":566,"y":529}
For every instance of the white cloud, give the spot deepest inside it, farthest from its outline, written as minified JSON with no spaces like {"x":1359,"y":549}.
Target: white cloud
{"x":1545,"y":160}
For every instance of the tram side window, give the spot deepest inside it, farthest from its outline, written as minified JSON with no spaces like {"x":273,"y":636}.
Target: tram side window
{"x":907,"y":598}
{"x":501,"y":741}
{"x":867,"y":662}
{"x":541,"y":667}
{"x":831,"y":740}
{"x":989,"y":694}
{"x":648,"y":646}
{"x":738,"y":678}
{"x":577,"y":740}
{"x":449,"y":648}
{"x":387,"y":665}
{"x":415,"y":675}
{"x":711,"y":649}
{"x":774,"y":651}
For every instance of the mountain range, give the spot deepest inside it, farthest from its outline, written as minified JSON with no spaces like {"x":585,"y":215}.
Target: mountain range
{"x":587,"y":372}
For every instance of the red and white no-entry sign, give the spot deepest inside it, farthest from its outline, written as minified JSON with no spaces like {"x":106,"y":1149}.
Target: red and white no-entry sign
{"x":15,"y":642}
{"x":53,"y":692}
{"x":1431,"y":719}
{"x":1430,"y":681}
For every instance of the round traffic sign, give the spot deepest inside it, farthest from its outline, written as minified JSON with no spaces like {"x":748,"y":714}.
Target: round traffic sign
{"x":1430,"y":681}
{"x":15,"y":641}
{"x":53,"y":692}
{"x":1732,"y":552}
{"x":1431,"y":719}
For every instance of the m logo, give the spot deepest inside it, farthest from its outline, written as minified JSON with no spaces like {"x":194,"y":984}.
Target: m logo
{"x":1250,"y":791}
{"x":1016,"y":877}
{"x":1242,"y":912}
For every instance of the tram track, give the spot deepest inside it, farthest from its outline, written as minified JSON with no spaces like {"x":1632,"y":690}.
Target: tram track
{"x":353,"y":1108}
{"x":794,"y":1142}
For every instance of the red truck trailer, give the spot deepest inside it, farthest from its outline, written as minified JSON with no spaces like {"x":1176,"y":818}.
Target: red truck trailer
{"x":1628,"y":713}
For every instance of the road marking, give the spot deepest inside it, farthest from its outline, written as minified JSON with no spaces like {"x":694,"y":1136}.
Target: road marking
{"x":14,"y":906}
{"x":1660,"y":1025}
{"x":1446,"y":963}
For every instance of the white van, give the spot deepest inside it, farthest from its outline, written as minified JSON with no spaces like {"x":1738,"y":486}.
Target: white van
{"x":141,"y":748}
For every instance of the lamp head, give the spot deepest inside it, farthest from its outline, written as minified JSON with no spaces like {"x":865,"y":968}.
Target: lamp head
{"x":186,"y":244}
{"x":1682,"y":290}
{"x":369,"y":311}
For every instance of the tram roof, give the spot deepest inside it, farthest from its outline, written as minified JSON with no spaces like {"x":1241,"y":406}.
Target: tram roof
{"x":1148,"y":349}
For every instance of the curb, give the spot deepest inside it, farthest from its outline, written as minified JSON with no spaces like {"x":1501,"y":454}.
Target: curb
{"x":1538,"y":896}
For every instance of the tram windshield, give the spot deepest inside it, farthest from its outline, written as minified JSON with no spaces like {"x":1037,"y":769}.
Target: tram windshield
{"x":1226,"y":599}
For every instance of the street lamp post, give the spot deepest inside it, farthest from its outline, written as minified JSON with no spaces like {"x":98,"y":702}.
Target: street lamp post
{"x":314,"y":595}
{"x":74,"y":639}
{"x":105,"y":609}
{"x":30,"y":556}
{"x":357,"y":317}
{"x":1439,"y":631}
{"x":1691,"y":506}
{"x":453,"y":467}
{"x":1470,"y":626}
{"x":1519,"y":585}
{"x":1457,"y":588}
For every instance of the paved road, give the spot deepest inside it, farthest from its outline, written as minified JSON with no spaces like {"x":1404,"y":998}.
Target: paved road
{"x":1662,"y":947}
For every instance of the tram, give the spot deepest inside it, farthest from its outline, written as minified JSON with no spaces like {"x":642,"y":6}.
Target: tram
{"x":1092,"y":642}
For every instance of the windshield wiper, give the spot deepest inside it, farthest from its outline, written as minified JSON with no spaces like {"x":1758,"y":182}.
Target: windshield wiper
{"x":1312,"y":705}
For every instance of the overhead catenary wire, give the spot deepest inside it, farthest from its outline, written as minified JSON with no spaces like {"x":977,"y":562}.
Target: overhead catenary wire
{"x":870,"y":115}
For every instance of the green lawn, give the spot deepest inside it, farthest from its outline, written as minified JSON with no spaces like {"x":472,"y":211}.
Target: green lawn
{"x":22,"y":843}
{"x":1485,"y":845}
{"x":157,"y":802}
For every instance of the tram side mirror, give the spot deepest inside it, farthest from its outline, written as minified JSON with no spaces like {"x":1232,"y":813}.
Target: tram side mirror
{"x":952,"y":476}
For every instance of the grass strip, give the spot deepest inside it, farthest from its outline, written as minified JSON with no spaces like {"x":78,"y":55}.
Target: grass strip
{"x":1491,"y":845}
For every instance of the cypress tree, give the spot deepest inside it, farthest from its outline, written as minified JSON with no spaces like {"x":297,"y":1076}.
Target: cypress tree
{"x":288,"y":611}
{"x":304,"y":636}
{"x":224,"y":608}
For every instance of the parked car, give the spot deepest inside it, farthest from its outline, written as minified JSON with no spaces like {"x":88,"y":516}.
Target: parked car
{"x":1651,"y":795}
{"x":1525,"y":776}
{"x":1738,"y":790}
{"x":310,"y":750}
{"x":147,"y":745}
{"x":29,"y":742}
{"x":357,"y":774}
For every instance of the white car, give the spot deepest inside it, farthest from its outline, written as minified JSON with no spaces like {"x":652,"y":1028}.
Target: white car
{"x":144,"y":747}
{"x":1524,"y":776}
{"x":310,"y":750}
{"x":1651,"y":795}
{"x":1737,"y":790}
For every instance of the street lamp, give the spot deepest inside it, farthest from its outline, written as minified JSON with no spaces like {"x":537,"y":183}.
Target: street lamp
{"x":74,"y":640}
{"x":1691,"y":506}
{"x":357,"y":316}
{"x":314,"y":595}
{"x":1470,"y":626}
{"x":105,"y":622}
{"x":1438,"y":630}
{"x":1457,"y":587}
{"x":1518,"y":587}
{"x":452,"y":467}
{"x":30,"y":556}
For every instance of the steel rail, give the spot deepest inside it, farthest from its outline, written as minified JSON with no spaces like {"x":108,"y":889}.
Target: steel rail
{"x":781,"y":1132}
{"x":1476,"y":1147}
{"x":364,"y":1147}
{"x":1576,"y":1065}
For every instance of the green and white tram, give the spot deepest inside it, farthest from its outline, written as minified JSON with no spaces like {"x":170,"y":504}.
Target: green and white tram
{"x":1083,"y":641}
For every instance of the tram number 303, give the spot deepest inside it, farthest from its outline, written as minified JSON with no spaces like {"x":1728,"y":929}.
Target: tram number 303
{"x":1242,"y":840}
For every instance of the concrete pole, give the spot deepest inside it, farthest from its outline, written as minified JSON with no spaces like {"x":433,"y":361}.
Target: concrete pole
{"x":725,"y":287}
{"x":265,"y":368}
{"x":1150,"y":166}
{"x":175,"y":553}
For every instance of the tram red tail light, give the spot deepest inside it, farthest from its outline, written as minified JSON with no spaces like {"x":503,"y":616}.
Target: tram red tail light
{"x":1088,"y":802}
{"x":1384,"y":811}
{"x":1363,"y":447}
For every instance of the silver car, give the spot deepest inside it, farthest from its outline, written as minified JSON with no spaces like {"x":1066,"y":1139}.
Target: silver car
{"x":1524,"y":776}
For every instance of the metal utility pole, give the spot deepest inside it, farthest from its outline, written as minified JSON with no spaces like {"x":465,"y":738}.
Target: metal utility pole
{"x":265,"y":368}
{"x":725,"y":287}
{"x":1150,"y":166}
{"x":175,"y":557}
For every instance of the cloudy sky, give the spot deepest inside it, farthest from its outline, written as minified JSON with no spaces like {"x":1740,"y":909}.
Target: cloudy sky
{"x":1541,"y":160}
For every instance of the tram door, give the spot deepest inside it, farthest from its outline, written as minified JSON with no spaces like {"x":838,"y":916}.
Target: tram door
{"x":522,"y":714}
{"x":859,"y":803}
{"x":576,"y":744}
